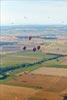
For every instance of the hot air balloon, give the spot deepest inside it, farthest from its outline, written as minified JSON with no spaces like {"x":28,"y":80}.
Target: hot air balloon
{"x":34,"y":49}
{"x":30,"y":37}
{"x":38,"y":47}
{"x":24,"y":48}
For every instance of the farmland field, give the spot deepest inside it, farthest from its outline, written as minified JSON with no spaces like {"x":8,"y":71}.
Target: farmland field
{"x":54,"y":89}
{"x":33,"y":68}
{"x":20,"y":57}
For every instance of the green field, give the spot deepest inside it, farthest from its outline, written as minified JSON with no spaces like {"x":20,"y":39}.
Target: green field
{"x":31,"y":60}
{"x":20,"y":57}
{"x":24,"y":57}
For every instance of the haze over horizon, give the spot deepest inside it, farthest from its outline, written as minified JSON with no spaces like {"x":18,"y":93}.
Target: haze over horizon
{"x":27,"y":12}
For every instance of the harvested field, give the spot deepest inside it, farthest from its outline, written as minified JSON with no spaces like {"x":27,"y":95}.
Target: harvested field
{"x":48,"y":83}
{"x":45,"y":87}
{"x":23,"y":93}
{"x":15,"y":93}
{"x":44,"y":95}
{"x":56,"y":47}
{"x":51,"y":71}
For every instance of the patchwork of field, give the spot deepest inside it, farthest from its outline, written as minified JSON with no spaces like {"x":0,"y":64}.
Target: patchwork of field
{"x":14,"y":63}
{"x":46,"y":87}
{"x":30,"y":57}
{"x":15,"y":93}
{"x":23,"y":93}
{"x":58,"y":46}
{"x":39,"y":75}
{"x":38,"y":81}
{"x":20,"y":57}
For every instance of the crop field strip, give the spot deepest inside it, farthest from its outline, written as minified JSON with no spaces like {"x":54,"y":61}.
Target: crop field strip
{"x":4,"y":70}
{"x":39,"y":81}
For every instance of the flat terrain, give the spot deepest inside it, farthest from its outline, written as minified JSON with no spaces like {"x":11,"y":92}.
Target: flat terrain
{"x":58,"y":46}
{"x":22,"y":93}
{"x":19,"y":58}
{"x":51,"y":71}
{"x":15,"y":93}
{"x":38,"y":81}
{"x":46,"y":87}
{"x":39,"y":75}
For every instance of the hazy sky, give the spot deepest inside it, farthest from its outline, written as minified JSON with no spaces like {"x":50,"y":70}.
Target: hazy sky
{"x":33,"y":12}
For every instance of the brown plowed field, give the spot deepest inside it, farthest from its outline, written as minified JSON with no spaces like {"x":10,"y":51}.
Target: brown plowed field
{"x":53,"y":84}
{"x":15,"y":93}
